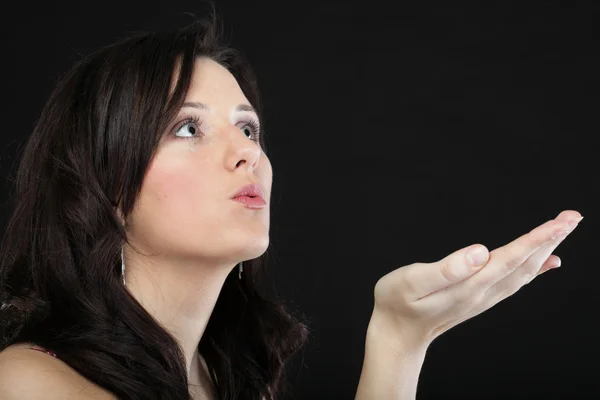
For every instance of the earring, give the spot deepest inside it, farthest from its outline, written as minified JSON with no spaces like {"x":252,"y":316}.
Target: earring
{"x":122,"y":266}
{"x":240,"y":267}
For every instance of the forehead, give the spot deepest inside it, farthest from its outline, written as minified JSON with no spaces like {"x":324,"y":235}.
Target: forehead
{"x":213,"y":85}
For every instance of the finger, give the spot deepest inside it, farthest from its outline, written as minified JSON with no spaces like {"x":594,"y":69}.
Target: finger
{"x":506,"y":259}
{"x":423,"y":279}
{"x":552,"y":262}
{"x":492,"y":298}
{"x":528,"y":271}
{"x":515,"y":281}
{"x":539,"y":262}
{"x":567,"y":215}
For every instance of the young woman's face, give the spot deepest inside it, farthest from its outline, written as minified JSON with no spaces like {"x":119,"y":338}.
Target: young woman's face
{"x":185,"y":204}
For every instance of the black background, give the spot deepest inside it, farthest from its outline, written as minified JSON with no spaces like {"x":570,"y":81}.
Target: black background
{"x":397,"y":134}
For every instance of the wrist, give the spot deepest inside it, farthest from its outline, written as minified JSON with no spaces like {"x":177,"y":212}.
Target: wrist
{"x":400,"y":338}
{"x":392,"y":362}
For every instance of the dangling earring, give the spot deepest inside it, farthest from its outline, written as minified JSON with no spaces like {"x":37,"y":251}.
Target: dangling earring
{"x":123,"y":266}
{"x":240,"y":267}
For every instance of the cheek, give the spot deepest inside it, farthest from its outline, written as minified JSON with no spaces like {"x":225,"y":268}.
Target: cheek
{"x":174,"y":192}
{"x":173,"y":188}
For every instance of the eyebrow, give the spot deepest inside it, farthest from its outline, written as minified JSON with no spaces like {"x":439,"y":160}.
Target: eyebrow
{"x":202,"y":106}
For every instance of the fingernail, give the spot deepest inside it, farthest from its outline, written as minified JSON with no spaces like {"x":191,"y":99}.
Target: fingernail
{"x":573,"y":223}
{"x":559,"y":264}
{"x":477,"y":256}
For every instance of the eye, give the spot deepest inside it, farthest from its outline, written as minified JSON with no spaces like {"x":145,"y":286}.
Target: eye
{"x":190,"y":128}
{"x":252,"y":127}
{"x":248,"y":129}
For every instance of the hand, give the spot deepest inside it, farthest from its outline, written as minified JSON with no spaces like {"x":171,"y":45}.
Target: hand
{"x":421,"y":301}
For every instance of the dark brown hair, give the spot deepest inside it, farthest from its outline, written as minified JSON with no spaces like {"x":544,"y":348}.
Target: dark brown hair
{"x":60,"y":268}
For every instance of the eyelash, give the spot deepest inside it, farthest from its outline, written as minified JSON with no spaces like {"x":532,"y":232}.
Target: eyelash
{"x":253,"y":123}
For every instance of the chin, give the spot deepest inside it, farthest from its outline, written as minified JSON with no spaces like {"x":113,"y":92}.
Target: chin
{"x":256,"y":247}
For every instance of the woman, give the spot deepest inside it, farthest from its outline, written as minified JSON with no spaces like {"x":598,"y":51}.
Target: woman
{"x":119,"y":260}
{"x":118,"y":166}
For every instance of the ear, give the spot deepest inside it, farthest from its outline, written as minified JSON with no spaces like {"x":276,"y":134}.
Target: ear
{"x":120,"y":215}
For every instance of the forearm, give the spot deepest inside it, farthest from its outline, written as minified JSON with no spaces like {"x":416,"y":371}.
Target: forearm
{"x":391,"y":366}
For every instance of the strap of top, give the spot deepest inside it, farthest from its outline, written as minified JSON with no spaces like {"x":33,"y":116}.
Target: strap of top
{"x":44,"y":351}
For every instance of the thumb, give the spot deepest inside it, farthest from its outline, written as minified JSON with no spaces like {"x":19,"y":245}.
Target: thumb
{"x":427,"y":278}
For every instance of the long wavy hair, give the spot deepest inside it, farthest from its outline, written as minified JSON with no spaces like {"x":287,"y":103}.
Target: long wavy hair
{"x":60,"y":268}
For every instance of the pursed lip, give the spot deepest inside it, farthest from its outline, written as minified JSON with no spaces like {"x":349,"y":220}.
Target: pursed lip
{"x":251,"y":190}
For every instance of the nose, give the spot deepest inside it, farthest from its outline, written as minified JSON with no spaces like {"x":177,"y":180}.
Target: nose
{"x":246,"y":152}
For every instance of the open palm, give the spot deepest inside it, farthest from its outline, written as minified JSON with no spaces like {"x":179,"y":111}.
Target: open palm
{"x":423,"y":300}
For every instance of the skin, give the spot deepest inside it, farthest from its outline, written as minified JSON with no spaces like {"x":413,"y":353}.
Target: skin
{"x":431,"y":298}
{"x":189,"y":232}
{"x":417,"y":303}
{"x":191,"y":235}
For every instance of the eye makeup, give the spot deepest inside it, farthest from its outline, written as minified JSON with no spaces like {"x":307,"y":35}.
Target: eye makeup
{"x":250,"y":120}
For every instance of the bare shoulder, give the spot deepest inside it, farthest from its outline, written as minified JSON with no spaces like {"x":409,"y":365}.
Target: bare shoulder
{"x":31,"y":374}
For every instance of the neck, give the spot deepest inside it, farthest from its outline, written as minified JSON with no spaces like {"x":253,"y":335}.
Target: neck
{"x":180,"y":295}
